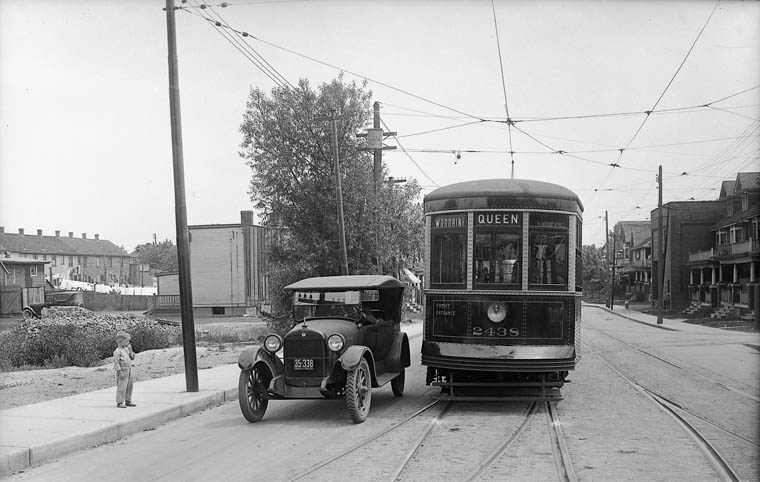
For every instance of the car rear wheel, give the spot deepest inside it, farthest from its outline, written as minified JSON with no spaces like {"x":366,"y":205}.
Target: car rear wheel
{"x":359,"y":392}
{"x":252,"y":388}
{"x":397,"y":384}
{"x":27,"y":313}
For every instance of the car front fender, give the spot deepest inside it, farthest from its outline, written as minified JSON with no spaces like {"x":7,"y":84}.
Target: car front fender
{"x":353,"y":356}
{"x":255,"y":354}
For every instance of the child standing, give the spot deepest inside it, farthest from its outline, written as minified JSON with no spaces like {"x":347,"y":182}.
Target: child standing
{"x":122,"y":363}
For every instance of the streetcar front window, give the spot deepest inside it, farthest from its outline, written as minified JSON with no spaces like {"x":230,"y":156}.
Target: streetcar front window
{"x":548,"y":251}
{"x":497,"y":260}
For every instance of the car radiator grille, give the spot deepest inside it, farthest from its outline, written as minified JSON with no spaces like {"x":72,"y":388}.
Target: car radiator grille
{"x":302,"y":348}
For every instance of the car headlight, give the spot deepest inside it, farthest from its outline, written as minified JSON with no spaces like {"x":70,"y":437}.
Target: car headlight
{"x":272,"y":343}
{"x":335,"y":342}
{"x":497,"y":312}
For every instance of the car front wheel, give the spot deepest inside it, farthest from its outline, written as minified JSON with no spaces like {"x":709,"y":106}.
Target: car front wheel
{"x":252,"y":387}
{"x":359,"y":392}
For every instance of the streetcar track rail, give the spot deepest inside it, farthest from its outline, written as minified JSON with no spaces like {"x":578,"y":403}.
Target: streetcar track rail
{"x":565,"y":470}
{"x":496,"y":453}
{"x":434,"y":423}
{"x":706,"y":420}
{"x":716,"y":459}
{"x":709,"y":379}
{"x":367,"y":440}
{"x":714,"y":455}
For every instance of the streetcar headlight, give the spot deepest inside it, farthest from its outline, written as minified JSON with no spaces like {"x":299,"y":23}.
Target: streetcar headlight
{"x":272,"y":343}
{"x":335,"y":342}
{"x":497,"y":312}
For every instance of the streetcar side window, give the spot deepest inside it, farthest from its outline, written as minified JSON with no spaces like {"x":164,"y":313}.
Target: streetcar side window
{"x":548,"y":251}
{"x":448,"y":258}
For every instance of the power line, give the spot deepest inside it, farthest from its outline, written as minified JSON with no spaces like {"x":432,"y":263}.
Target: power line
{"x":408,"y":155}
{"x":369,"y":79}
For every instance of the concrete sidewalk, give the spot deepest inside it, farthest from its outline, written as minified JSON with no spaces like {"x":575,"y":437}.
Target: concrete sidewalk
{"x":33,"y":434}
{"x":672,"y":324}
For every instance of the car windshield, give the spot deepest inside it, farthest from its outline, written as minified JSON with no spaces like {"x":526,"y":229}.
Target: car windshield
{"x":331,"y":304}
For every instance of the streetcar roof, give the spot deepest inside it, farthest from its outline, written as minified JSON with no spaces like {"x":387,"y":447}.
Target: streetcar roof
{"x":355,"y":282}
{"x":503,"y":188}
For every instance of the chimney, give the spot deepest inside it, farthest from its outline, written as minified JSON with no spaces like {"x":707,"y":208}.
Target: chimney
{"x":20,"y":230}
{"x":246,"y":218}
{"x":57,"y":233}
{"x":39,"y":232}
{"x":84,"y":235}
{"x":97,"y":236}
{"x":2,"y":229}
{"x":71,"y":234}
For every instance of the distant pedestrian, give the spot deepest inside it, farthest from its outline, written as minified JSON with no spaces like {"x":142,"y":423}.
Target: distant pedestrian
{"x":122,"y":363}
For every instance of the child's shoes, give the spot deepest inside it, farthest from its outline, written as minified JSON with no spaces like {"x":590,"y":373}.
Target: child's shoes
{"x":121,"y":405}
{"x":130,"y":404}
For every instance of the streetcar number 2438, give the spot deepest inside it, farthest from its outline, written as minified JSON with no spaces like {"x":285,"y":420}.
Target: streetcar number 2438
{"x":500,"y":331}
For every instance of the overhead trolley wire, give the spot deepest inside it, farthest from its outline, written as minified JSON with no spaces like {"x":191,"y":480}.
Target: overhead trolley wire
{"x":649,"y":112}
{"x":504,"y":89}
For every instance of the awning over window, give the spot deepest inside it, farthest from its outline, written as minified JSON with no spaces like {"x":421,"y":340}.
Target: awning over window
{"x":411,"y":276}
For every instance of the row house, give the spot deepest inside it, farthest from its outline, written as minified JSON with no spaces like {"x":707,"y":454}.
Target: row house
{"x":722,"y":278}
{"x":92,"y":260}
{"x":633,"y":258}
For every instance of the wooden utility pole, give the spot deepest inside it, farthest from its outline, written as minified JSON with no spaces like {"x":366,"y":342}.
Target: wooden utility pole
{"x":614,"y":265}
{"x":660,"y":250}
{"x":375,"y":137}
{"x":607,"y":248}
{"x":180,"y":210}
{"x":333,"y":118}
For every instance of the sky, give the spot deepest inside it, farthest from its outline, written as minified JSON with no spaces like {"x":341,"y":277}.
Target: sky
{"x":85,"y":142}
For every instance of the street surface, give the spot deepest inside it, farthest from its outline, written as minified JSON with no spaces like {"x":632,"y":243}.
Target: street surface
{"x":610,"y":427}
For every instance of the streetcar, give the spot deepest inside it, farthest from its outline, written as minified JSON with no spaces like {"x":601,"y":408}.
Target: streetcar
{"x":502,"y":289}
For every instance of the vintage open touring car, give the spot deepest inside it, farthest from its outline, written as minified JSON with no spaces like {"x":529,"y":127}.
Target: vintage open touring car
{"x":346,"y":341}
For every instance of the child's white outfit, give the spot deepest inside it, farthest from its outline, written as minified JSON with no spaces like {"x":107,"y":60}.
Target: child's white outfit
{"x":122,"y":361}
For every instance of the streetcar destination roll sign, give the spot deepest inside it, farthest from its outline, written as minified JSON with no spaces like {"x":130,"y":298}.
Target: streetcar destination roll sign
{"x":492,"y":218}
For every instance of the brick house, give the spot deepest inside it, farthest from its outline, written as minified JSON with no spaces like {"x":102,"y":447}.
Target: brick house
{"x":69,"y":257}
{"x":723,"y":275}
{"x":686,"y":225}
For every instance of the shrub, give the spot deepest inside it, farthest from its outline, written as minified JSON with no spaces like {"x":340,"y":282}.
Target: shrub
{"x":75,"y":336}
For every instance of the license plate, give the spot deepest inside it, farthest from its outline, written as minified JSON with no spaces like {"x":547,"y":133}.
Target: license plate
{"x":303,"y":364}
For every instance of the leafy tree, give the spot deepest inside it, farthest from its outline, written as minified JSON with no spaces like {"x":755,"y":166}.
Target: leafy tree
{"x":293,"y":186}
{"x":159,"y":255}
{"x":595,"y":269}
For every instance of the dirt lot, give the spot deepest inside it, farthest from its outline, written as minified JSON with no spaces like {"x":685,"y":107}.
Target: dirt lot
{"x":228,"y":335}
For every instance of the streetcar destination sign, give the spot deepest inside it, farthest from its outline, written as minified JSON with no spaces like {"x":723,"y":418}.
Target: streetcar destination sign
{"x":497,"y":219}
{"x":459,"y":221}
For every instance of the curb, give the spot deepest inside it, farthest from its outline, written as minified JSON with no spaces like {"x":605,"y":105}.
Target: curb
{"x":16,"y":459}
{"x":631,"y":319}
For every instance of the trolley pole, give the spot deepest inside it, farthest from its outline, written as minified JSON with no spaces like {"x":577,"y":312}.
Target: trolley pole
{"x":180,"y":210}
{"x":333,"y":119}
{"x":660,"y":249}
